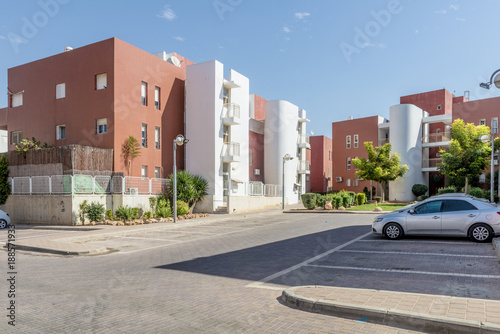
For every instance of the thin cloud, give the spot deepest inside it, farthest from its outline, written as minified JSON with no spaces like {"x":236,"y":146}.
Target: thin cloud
{"x":167,"y":13}
{"x":3,"y":37}
{"x":179,"y":38}
{"x":454,"y":7}
{"x":286,"y":29}
{"x":442,"y":11}
{"x":461,"y":19}
{"x":302,"y":16}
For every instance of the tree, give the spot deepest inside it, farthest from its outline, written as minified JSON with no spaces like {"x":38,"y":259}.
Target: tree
{"x":4,"y":183}
{"x":467,"y":156}
{"x":26,"y":145}
{"x":381,"y":166}
{"x":131,"y":149}
{"x":190,"y":188}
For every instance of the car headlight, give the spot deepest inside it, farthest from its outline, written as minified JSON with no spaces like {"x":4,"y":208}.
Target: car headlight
{"x":378,"y":219}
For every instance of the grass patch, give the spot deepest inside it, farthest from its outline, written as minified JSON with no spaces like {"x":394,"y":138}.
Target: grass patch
{"x":384,"y":206}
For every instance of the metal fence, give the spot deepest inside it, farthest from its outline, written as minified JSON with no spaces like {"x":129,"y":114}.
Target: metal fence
{"x":261,"y":189}
{"x":86,"y":184}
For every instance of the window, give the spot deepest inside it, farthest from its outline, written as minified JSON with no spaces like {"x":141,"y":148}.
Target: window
{"x":482,"y":122}
{"x":157,"y":137}
{"x":60,"y":132}
{"x":16,"y":100}
{"x":250,"y":157}
{"x":457,"y":205}
{"x":16,"y":137}
{"x":101,"y":126}
{"x":144,"y":171}
{"x":101,"y":81}
{"x":438,"y":130}
{"x":439,"y":107}
{"x":60,"y":91}
{"x":329,"y":172}
{"x":144,"y":93}
{"x":348,"y":182}
{"x":429,"y":207}
{"x":355,"y":168}
{"x":330,"y":155}
{"x":157,"y":172}
{"x":494,"y":125}
{"x":157,"y":98}
{"x":348,"y":163}
{"x":348,"y":141}
{"x":356,"y":140}
{"x":356,"y":182}
{"x":144,"y":135}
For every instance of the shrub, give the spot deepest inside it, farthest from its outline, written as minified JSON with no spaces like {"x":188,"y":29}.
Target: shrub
{"x":109,"y":215}
{"x":124,"y":213}
{"x":338,"y":201}
{"x":309,"y":200}
{"x":146,"y":215}
{"x":424,"y":197}
{"x":81,"y":212}
{"x":447,"y":190}
{"x":378,"y":199}
{"x":352,"y":195}
{"x":476,"y":192}
{"x":361,"y":198}
{"x":135,"y":213}
{"x":487,"y":196}
{"x":320,"y":200}
{"x":346,"y":200}
{"x":95,"y":212}
{"x":419,"y":189}
{"x":152,"y":203}
{"x":163,"y":209}
{"x":182,"y":208}
{"x":4,"y":183}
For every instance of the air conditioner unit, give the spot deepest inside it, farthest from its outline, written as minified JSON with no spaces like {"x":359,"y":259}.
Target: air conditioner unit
{"x":133,"y":191}
{"x":256,"y":172}
{"x":338,"y":179}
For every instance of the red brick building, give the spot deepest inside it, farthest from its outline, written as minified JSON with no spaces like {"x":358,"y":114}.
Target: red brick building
{"x":321,"y":164}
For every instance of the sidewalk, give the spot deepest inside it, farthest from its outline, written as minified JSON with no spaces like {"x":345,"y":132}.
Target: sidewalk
{"x":428,"y":313}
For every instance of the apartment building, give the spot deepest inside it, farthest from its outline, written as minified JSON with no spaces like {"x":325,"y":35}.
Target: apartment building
{"x":321,"y":161}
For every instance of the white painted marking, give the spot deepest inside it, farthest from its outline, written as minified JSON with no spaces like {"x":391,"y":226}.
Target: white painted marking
{"x":405,"y":271}
{"x":412,"y":253}
{"x":304,"y":263}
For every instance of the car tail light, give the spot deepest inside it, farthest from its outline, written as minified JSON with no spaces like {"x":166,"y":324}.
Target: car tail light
{"x":498,"y":213}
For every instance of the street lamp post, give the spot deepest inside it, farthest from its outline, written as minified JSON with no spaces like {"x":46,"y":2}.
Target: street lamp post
{"x":486,"y":137}
{"x":287,"y":157}
{"x":179,"y":140}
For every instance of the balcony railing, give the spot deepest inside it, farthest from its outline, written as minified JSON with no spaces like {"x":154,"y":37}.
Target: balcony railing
{"x":231,"y":152}
{"x":231,"y":110}
{"x":382,"y":142}
{"x":430,"y":163}
{"x":303,"y":167}
{"x":435,"y":138}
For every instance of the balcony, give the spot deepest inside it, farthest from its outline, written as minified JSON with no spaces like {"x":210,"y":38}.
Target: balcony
{"x":303,"y":167}
{"x":231,"y":114}
{"x":382,"y":142}
{"x":430,"y":165}
{"x":303,"y":141}
{"x":436,"y":140}
{"x":231,"y":152}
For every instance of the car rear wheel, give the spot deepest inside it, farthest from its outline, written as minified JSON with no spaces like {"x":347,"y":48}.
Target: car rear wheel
{"x":393,"y":231}
{"x":481,"y":233}
{"x":3,"y":223}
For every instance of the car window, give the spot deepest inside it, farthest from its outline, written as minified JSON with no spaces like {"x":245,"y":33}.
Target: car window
{"x":457,"y":205}
{"x":429,"y":207}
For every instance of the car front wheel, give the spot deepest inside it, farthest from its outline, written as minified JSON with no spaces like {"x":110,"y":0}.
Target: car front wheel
{"x":3,"y":223}
{"x":481,"y":233}
{"x":393,"y":231}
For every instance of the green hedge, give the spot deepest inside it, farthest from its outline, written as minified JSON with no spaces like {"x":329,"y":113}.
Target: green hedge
{"x":309,"y":200}
{"x":361,"y":198}
{"x":447,"y":190}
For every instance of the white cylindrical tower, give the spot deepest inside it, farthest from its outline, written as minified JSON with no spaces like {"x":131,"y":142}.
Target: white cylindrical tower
{"x":406,"y":140}
{"x":280,"y":138}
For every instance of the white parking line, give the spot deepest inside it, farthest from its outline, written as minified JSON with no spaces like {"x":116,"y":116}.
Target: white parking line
{"x":259,"y":284}
{"x":412,"y":253}
{"x":404,"y":271}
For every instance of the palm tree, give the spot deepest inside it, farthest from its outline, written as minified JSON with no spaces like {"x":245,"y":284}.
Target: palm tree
{"x":131,"y":149}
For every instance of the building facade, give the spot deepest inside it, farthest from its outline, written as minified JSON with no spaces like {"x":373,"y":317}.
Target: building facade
{"x":321,"y":162}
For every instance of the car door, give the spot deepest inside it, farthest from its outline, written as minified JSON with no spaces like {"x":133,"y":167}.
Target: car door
{"x":457,"y":215}
{"x":424,"y":218}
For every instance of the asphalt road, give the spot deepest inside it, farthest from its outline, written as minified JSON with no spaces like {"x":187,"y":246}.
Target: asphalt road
{"x":226,"y":277}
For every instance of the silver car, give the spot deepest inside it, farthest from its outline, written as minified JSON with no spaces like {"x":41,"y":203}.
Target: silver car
{"x":4,"y":219}
{"x":457,"y":215}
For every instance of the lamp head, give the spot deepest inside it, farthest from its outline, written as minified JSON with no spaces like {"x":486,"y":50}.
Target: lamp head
{"x":485,"y":85}
{"x":287,"y":157}
{"x":485,"y":138}
{"x":180,"y":140}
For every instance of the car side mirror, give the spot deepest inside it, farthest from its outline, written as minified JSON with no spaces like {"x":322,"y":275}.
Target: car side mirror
{"x":411,"y":211}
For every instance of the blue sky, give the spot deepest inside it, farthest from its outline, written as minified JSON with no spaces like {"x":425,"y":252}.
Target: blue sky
{"x":333,"y":58}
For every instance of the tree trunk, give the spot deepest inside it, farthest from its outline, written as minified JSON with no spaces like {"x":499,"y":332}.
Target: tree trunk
{"x":191,"y":209}
{"x":466,"y":188}
{"x":382,"y":185}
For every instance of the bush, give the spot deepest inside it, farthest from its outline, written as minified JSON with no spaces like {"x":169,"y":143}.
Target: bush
{"x":81,"y":213}
{"x":109,"y":215}
{"x":124,"y":213}
{"x":182,"y":208}
{"x":352,"y":195}
{"x":95,"y":212}
{"x":135,"y":213}
{"x":476,"y":192}
{"x":424,"y":197}
{"x":146,"y":215}
{"x":309,"y":200}
{"x":338,"y":201}
{"x":163,"y":209}
{"x":152,"y":203}
{"x":346,"y":200}
{"x":361,"y":198}
{"x":320,"y":200}
{"x":378,"y":199}
{"x":447,"y":190}
{"x":419,"y":189}
{"x":487,"y":196}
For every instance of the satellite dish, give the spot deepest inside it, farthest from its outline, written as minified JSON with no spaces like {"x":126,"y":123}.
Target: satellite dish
{"x":174,"y":60}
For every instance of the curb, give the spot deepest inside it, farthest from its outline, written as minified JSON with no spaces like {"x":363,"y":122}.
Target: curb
{"x":496,"y":246}
{"x":31,"y":248}
{"x":335,"y":211}
{"x":389,"y":317}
